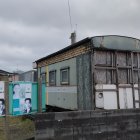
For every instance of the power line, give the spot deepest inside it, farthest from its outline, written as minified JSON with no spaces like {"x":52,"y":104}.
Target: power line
{"x":70,"y":15}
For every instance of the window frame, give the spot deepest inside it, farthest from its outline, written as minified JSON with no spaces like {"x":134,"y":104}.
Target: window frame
{"x":68,"y":76}
{"x":42,"y":76}
{"x":52,"y":83}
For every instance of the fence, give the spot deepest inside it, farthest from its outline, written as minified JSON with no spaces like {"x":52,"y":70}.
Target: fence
{"x":14,"y":121}
{"x":20,"y":98}
{"x":89,"y":125}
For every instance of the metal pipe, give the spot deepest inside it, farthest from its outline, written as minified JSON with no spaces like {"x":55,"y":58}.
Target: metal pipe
{"x":117,"y":82}
{"x":138,"y":64}
{"x":132,"y":74}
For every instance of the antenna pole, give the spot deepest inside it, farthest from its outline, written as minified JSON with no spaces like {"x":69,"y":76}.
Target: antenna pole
{"x":70,"y":14}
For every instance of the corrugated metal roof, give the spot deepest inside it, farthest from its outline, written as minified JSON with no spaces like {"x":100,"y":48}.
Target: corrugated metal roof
{"x":116,"y":42}
{"x":2,"y":72}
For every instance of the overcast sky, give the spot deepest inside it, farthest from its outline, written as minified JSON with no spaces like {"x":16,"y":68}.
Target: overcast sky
{"x":32,"y":29}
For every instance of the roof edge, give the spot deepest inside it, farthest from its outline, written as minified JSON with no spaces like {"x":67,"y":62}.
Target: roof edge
{"x":77,"y":44}
{"x":65,"y":49}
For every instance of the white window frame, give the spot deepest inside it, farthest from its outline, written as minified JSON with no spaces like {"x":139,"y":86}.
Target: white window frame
{"x":66,"y":69}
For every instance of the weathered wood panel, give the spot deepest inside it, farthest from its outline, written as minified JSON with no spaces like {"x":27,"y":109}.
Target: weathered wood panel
{"x":108,"y":62}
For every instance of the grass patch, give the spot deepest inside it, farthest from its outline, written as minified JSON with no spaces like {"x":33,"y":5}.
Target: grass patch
{"x":19,"y":128}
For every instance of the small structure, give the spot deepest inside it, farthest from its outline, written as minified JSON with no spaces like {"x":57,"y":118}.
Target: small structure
{"x":28,"y":76}
{"x":101,"y":72}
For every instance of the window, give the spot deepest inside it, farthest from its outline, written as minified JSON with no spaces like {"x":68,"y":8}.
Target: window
{"x":64,"y":73}
{"x":43,"y":77}
{"x":52,"y":78}
{"x":42,"y":72}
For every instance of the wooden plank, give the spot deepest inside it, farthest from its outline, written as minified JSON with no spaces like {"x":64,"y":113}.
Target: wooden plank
{"x":6,"y":122}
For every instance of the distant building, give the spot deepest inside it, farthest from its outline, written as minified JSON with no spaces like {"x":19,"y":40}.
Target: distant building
{"x":28,"y":76}
{"x":14,"y":77}
{"x":18,"y":76}
{"x":4,"y":75}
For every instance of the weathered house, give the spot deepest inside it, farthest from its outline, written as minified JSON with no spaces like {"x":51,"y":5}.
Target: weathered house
{"x":101,"y":72}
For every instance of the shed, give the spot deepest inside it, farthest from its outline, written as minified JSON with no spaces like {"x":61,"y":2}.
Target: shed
{"x":101,"y":72}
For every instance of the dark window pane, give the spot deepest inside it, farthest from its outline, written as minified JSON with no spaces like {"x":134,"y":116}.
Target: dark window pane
{"x":65,"y":76}
{"x":52,"y":77}
{"x":43,"y":76}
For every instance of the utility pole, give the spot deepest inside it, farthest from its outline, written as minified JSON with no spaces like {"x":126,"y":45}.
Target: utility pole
{"x":39,"y":95}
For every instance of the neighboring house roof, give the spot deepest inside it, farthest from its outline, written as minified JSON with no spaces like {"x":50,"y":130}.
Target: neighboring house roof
{"x":18,"y":72}
{"x":33,"y":70}
{"x":112,"y":42}
{"x":2,"y":72}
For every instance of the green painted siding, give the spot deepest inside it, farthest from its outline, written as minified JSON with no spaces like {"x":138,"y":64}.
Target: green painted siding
{"x":64,"y":96}
{"x":71,"y":63}
{"x":34,"y":97}
{"x":10,"y":98}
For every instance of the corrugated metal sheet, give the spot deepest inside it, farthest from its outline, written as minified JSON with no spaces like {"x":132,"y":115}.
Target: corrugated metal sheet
{"x":116,"y":42}
{"x":84,"y":82}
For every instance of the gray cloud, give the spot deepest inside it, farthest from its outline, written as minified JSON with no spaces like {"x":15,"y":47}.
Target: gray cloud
{"x":33,"y":29}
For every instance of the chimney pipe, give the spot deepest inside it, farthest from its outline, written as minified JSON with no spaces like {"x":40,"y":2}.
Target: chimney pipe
{"x":73,"y":37}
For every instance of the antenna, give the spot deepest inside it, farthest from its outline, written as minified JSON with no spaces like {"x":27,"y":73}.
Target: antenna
{"x":73,"y":34}
{"x":70,"y":15}
{"x":75,"y":27}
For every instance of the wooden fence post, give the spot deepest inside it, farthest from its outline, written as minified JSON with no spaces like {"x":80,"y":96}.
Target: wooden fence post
{"x":6,"y":121}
